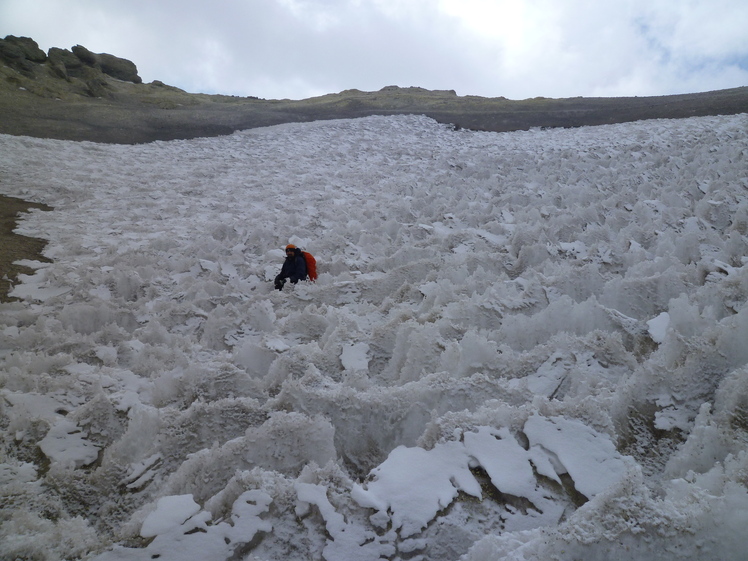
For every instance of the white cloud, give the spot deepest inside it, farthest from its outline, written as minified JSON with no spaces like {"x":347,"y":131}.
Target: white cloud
{"x":298,"y":48}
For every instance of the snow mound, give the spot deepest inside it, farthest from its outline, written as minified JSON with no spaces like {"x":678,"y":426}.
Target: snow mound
{"x":520,"y":346}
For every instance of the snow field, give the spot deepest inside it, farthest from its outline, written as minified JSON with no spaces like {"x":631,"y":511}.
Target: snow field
{"x":520,"y":345}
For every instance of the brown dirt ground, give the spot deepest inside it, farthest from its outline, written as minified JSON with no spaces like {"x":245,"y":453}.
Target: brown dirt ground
{"x":14,"y":247}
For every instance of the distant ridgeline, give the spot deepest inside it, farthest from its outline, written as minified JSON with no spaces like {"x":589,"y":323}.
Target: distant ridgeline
{"x":24,"y":55}
{"x":80,"y":95}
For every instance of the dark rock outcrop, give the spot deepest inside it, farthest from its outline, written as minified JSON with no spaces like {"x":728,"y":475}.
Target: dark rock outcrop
{"x":77,"y":64}
{"x":116,"y":67}
{"x":24,"y":55}
{"x":25,"y":47}
{"x":85,"y":56}
{"x":119,"y":68}
{"x":65,"y":63}
{"x":21,"y":53}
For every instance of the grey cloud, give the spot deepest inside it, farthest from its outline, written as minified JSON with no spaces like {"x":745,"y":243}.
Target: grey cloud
{"x":299,"y":48}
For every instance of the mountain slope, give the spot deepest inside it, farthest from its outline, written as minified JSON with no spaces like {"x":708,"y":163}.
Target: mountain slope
{"x":77,"y":96}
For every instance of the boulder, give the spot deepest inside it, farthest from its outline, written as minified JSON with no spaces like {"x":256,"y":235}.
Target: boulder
{"x":65,"y":62}
{"x":10,"y":51}
{"x":64,"y":57}
{"x":119,"y":68}
{"x":24,"y":47}
{"x":85,"y":56}
{"x":21,"y":53}
{"x":116,"y":67}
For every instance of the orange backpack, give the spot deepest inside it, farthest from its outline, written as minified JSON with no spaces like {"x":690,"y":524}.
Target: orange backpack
{"x":311,"y":265}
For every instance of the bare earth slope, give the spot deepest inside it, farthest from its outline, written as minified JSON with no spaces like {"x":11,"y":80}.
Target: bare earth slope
{"x":15,"y":248}
{"x":74,"y":96}
{"x":136,"y":113}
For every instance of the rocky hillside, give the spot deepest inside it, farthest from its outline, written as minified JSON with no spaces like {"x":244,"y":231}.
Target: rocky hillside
{"x":80,"y":95}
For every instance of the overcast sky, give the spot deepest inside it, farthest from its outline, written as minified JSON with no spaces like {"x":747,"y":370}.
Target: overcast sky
{"x":301,"y":48}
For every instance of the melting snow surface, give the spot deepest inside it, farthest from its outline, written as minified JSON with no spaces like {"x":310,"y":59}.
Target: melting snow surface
{"x":520,"y":346}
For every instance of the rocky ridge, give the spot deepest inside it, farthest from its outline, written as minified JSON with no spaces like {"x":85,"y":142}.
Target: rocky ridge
{"x":85,"y":72}
{"x":80,"y":95}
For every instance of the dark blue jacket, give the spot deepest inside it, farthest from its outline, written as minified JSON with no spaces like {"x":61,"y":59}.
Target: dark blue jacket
{"x":294,"y":267}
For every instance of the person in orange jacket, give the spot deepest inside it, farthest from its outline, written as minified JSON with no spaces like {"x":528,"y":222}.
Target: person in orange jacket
{"x":293,"y":269}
